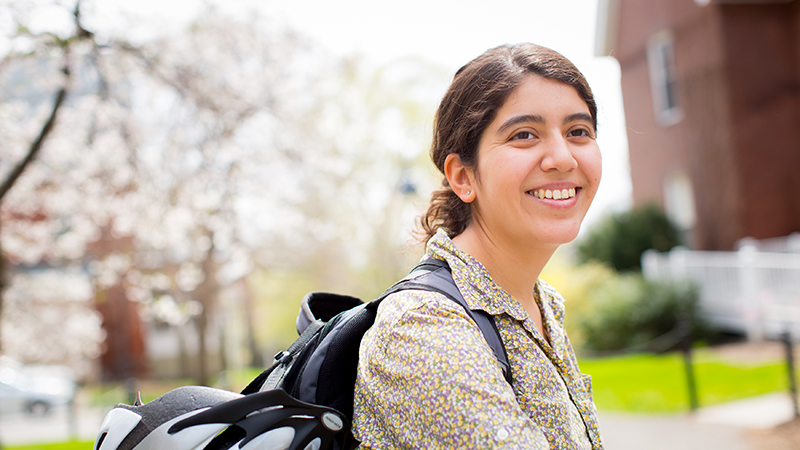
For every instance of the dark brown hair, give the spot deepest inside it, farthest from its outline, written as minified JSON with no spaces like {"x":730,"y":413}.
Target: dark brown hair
{"x":477,"y":92}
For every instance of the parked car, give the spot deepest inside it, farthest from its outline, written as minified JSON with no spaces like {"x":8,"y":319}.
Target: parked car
{"x":35,"y":390}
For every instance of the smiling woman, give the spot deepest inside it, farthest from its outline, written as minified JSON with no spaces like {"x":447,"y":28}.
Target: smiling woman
{"x":515,"y":141}
{"x":541,"y":140}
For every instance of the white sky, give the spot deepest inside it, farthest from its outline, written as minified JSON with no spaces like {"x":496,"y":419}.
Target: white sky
{"x":450,"y":33}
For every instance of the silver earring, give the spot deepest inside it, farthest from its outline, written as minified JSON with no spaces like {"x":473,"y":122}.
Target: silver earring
{"x":469,"y":192}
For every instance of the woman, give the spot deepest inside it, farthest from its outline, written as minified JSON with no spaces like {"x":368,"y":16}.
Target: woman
{"x":514,"y":138}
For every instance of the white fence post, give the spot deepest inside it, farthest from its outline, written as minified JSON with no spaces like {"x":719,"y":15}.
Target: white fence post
{"x":748,"y":287}
{"x":652,"y":266}
{"x":678,"y":263}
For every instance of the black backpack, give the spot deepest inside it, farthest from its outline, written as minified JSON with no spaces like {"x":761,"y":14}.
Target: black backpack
{"x":320,"y":366}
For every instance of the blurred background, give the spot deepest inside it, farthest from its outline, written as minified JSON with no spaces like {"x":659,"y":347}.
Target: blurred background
{"x":175,"y":176}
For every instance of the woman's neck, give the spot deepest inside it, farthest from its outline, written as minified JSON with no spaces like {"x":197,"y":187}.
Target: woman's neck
{"x":514,"y":266}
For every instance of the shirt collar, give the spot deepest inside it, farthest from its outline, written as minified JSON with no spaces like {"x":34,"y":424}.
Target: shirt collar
{"x":473,"y":280}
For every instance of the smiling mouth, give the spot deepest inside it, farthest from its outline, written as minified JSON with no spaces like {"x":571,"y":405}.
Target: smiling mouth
{"x":555,"y":194}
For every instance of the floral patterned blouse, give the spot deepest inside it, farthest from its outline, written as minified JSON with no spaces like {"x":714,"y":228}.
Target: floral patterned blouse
{"x":428,"y":379}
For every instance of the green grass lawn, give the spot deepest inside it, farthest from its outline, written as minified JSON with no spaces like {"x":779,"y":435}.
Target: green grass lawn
{"x":657,"y":383}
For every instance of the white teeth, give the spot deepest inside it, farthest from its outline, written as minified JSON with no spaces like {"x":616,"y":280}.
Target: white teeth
{"x":563,"y":194}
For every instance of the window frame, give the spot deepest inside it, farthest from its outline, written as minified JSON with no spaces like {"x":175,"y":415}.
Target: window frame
{"x":663,"y":78}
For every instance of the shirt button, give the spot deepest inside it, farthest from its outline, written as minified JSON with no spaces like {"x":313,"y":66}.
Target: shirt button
{"x":502,"y":434}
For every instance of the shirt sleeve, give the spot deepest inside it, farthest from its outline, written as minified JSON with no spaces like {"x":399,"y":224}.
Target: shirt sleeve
{"x":428,"y":379}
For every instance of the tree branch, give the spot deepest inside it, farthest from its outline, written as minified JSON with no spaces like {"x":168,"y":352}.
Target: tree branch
{"x":35,"y":146}
{"x":80,"y":33}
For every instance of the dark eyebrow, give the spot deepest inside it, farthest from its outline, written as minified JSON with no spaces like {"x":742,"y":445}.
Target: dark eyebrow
{"x":577,"y":117}
{"x":535,"y":118}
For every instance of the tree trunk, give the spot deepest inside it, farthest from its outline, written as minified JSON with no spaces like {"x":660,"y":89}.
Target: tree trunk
{"x":256,"y":358}
{"x":206,"y":294}
{"x":202,"y":356}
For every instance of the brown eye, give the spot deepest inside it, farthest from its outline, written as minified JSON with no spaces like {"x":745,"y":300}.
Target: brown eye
{"x":523,"y":135}
{"x":580,"y":132}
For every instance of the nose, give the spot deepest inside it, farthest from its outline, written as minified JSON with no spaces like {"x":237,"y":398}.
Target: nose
{"x":558,"y":156}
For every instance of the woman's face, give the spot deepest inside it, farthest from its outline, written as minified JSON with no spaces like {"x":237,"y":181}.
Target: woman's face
{"x":538,"y":166}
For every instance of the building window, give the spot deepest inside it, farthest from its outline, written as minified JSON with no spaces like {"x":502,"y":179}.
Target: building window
{"x":679,"y":202}
{"x":663,"y":78}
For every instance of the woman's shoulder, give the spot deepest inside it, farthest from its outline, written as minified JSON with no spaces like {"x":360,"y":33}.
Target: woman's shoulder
{"x":420,"y":303}
{"x":422,"y":329}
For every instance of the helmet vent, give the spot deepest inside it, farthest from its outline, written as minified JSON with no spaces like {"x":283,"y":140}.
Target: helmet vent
{"x":100,"y":440}
{"x":226,"y":439}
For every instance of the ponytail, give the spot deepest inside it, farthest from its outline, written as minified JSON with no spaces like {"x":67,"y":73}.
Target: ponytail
{"x":447,"y":211}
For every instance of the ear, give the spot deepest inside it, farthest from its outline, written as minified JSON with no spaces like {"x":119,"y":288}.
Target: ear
{"x":460,"y":177}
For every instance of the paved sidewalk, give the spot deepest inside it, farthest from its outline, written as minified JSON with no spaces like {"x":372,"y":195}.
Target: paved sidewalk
{"x":758,"y":413}
{"x":726,"y":426}
{"x":58,"y":425}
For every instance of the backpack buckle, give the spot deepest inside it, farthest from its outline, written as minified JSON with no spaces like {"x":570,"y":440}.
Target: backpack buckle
{"x":282,"y":357}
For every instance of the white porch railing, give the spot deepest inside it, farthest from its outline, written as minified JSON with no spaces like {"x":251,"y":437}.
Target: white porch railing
{"x":747,"y":291}
{"x":783,"y":244}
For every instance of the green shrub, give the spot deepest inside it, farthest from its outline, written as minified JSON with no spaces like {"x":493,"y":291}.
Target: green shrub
{"x":629,"y":312}
{"x":620,"y":239}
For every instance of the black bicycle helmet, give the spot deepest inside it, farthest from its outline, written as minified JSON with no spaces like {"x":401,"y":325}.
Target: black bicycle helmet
{"x":202,"y":418}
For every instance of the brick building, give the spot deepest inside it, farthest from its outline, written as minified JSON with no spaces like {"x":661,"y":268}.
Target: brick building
{"x":711,"y":90}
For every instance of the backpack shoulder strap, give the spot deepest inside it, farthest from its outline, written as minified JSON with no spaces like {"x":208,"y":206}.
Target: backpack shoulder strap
{"x":434,"y":275}
{"x":273,"y":376}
